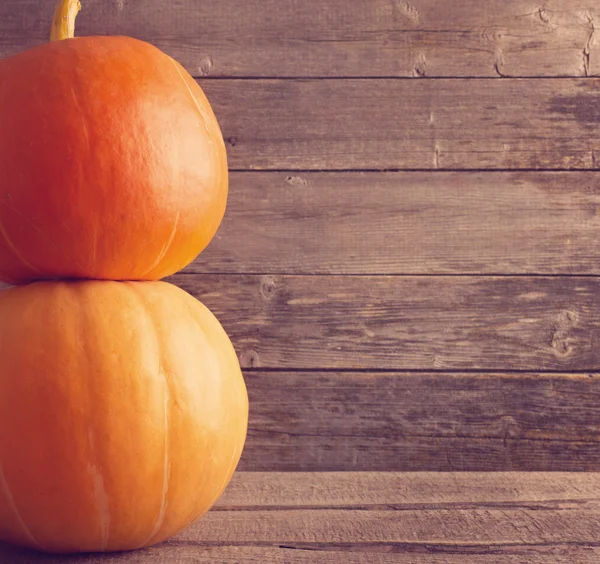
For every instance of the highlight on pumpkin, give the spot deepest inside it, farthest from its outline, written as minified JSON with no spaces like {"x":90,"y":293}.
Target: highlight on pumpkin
{"x":63,"y":23}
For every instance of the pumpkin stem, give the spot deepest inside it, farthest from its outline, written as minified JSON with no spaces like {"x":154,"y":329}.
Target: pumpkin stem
{"x":63,"y":23}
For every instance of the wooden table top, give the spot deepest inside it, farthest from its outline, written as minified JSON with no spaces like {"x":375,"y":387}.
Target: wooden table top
{"x":408,"y":269}
{"x":383,"y":517}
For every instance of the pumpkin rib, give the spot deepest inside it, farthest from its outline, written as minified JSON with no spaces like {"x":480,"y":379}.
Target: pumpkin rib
{"x":160,"y":520}
{"x":12,"y":246}
{"x":235,"y":456}
{"x":98,"y":484}
{"x":205,"y":121}
{"x":165,"y":249}
{"x":6,"y":490}
{"x":80,"y":110}
{"x":95,"y":485}
{"x":167,"y":400}
{"x":101,"y":497}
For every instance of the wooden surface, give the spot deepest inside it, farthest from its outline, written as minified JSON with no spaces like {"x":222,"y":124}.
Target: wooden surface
{"x":348,"y":124}
{"x":408,"y":223}
{"x":428,"y":518}
{"x":408,"y":269}
{"x":422,"y":421}
{"x":407,"y":322}
{"x":366,"y":38}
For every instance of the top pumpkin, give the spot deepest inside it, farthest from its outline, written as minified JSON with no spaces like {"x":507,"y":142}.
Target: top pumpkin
{"x":112,"y":163}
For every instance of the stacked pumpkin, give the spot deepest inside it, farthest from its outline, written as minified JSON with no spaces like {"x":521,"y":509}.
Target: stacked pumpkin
{"x":123,"y":410}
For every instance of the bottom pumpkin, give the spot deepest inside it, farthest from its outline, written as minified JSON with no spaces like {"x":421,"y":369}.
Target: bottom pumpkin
{"x":123,"y":414}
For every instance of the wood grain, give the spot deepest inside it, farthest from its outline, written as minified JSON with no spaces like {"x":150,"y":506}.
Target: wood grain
{"x":439,"y":373}
{"x":479,"y":518}
{"x":406,"y":323}
{"x":270,"y":38}
{"x":415,"y":422}
{"x":183,"y":553}
{"x":408,"y":223}
{"x":384,"y":530}
{"x":409,"y":490}
{"x":404,"y":124}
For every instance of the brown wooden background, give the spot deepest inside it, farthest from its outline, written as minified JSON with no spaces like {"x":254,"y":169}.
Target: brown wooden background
{"x":409,"y":263}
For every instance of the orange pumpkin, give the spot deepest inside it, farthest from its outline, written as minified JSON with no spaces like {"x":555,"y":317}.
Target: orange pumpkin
{"x":123,"y":414}
{"x":112,"y":163}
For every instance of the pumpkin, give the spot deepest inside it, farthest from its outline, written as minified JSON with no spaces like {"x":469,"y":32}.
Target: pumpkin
{"x":112,"y":163}
{"x":123,"y":414}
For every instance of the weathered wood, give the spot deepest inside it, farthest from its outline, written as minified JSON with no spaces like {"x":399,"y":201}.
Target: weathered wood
{"x":392,"y":322}
{"x":408,"y":223}
{"x":479,"y":518}
{"x":198,"y":554}
{"x":338,"y":38}
{"x":408,"y":490}
{"x":385,"y":530}
{"x":415,"y":422}
{"x":418,"y":453}
{"x":405,"y":124}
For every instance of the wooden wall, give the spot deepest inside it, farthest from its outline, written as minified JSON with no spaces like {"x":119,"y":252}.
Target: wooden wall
{"x":408,"y":263}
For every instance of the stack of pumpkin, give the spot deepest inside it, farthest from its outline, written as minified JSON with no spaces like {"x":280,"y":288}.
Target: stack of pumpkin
{"x":123,"y":410}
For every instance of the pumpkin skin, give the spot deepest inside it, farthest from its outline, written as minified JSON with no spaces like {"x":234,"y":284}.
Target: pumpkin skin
{"x":123,"y":414}
{"x":112,"y":163}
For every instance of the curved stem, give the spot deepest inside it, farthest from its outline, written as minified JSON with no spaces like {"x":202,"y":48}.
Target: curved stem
{"x":63,"y":23}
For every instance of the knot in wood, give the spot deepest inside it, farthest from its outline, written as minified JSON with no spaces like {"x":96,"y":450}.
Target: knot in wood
{"x":563,"y":341}
{"x":205,"y":66}
{"x":268,"y":287}
{"x":249,"y":359}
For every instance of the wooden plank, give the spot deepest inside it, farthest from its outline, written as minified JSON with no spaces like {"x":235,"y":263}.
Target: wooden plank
{"x":479,"y":518}
{"x":195,"y":554}
{"x":408,"y":490}
{"x":270,"y":38}
{"x":404,"y":124}
{"x":415,"y":422}
{"x":406,"y":323}
{"x":408,"y":223}
{"x":384,"y":530}
{"x":418,"y":453}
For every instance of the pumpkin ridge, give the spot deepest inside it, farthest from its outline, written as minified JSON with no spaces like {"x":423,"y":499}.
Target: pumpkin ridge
{"x":98,"y":484}
{"x":11,"y":502}
{"x":167,"y":464}
{"x":205,"y":121}
{"x":165,"y":248}
{"x":12,"y":246}
{"x":88,"y":151}
{"x":102,"y":505}
{"x":167,"y":400}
